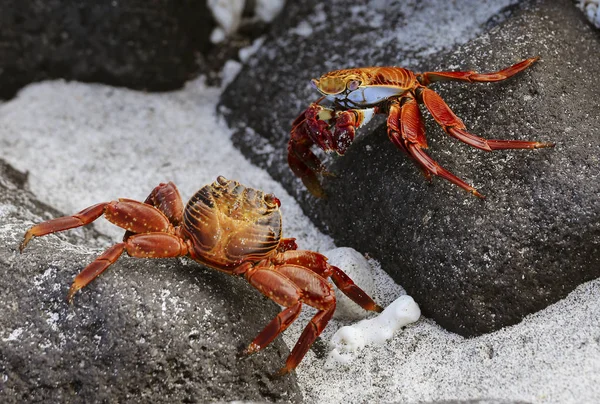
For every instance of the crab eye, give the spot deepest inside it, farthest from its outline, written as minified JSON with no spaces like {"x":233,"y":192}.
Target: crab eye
{"x":353,"y":85}
{"x":222,"y":180}
{"x":272,"y":200}
{"x":314,"y":84}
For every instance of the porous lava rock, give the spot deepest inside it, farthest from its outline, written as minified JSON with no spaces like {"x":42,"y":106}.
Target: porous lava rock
{"x":145,"y":331}
{"x":473,"y":266}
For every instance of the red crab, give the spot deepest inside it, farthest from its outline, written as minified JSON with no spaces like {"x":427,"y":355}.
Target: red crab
{"x":356,"y":95}
{"x":233,"y":229}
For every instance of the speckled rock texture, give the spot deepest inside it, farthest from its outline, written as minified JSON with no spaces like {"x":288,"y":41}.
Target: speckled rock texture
{"x":133,"y":43}
{"x":145,"y":331}
{"x":473,"y":266}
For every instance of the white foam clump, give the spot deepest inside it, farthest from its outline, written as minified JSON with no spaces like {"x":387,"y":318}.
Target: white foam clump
{"x":591,"y":8}
{"x":267,"y":10}
{"x":248,"y":51}
{"x":228,"y":15}
{"x":350,"y":339}
{"x":232,"y":67}
{"x":303,"y":29}
{"x":230,"y":71}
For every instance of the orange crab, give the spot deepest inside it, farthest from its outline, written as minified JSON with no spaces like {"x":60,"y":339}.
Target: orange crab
{"x":354,"y":96}
{"x":231,"y":228}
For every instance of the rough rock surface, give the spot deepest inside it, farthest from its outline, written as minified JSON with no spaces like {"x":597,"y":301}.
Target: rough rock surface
{"x":471,"y":265}
{"x":138,"y":44}
{"x":150,"y":331}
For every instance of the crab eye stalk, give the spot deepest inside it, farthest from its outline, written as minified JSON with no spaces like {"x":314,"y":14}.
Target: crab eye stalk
{"x":222,"y":180}
{"x":353,"y":85}
{"x":272,"y":200}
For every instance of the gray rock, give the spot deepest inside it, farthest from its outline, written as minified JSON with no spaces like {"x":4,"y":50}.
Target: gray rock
{"x":145,"y":331}
{"x":138,"y":44}
{"x":472,"y":266}
{"x":273,"y":88}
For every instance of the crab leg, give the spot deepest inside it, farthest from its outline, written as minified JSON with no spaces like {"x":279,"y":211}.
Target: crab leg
{"x":278,"y":325}
{"x":436,"y":169}
{"x":316,"y":292}
{"x":406,"y":130}
{"x":282,"y":291}
{"x":353,"y":291}
{"x":455,"y":127}
{"x":166,"y":198}
{"x":404,"y":126}
{"x":300,"y":159}
{"x":307,"y":338}
{"x":318,"y":263}
{"x":306,"y":130}
{"x":309,"y":259}
{"x":95,"y":268}
{"x":290,"y":286}
{"x":472,"y":76}
{"x":149,"y":245}
{"x":128,"y":214}
{"x":135,"y":217}
{"x":86,"y":216}
{"x":287,"y":244}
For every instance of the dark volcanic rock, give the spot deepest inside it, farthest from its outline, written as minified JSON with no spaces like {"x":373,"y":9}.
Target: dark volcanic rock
{"x":473,"y":266}
{"x":145,"y":331}
{"x":138,"y":44}
{"x":274,"y":86}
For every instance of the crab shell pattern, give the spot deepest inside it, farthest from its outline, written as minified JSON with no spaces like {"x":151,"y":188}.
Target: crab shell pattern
{"x":231,"y":228}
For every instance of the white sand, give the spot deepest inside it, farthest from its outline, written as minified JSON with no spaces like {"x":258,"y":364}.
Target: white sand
{"x":85,"y":143}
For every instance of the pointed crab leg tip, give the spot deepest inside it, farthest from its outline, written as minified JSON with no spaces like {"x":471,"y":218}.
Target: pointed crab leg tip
{"x":24,"y":243}
{"x":283,"y":371}
{"x":71,"y":294}
{"x":251,"y":349}
{"x":318,"y":193}
{"x":542,"y":145}
{"x":378,"y":309}
{"x":477,"y":194}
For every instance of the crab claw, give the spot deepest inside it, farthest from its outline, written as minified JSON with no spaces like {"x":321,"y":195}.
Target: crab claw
{"x":317,"y":120}
{"x":309,"y":128}
{"x":305,"y":165}
{"x":345,"y":128}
